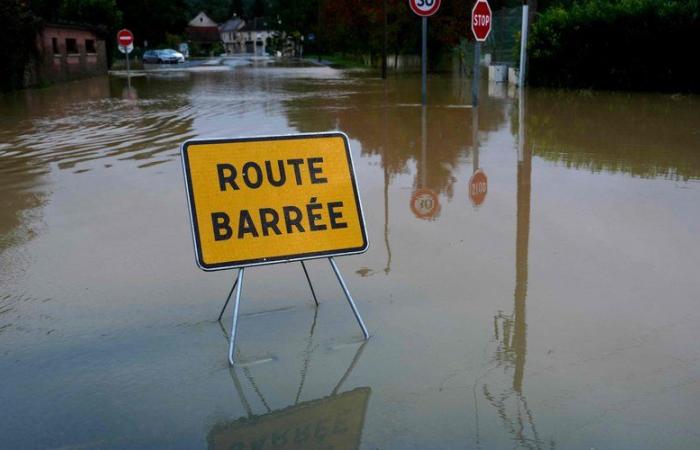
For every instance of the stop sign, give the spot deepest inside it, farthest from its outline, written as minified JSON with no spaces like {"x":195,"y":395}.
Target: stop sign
{"x":125,"y":38}
{"x":424,"y":8}
{"x":481,"y":20}
{"x":478,"y":186}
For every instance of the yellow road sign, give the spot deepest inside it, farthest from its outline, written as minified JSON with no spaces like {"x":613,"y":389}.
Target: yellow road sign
{"x":271,"y":199}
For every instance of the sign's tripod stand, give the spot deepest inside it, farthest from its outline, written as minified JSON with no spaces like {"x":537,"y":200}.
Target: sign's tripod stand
{"x":238,"y":287}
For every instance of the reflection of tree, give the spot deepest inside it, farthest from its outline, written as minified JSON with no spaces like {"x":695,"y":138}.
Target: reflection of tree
{"x":389,"y":124}
{"x":641,"y":134}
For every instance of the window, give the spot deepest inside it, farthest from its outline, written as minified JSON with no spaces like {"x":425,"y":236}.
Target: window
{"x":90,"y":46}
{"x":54,"y":44}
{"x":71,"y":46}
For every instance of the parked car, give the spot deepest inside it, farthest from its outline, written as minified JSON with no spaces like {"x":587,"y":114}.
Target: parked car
{"x":167,"y":55}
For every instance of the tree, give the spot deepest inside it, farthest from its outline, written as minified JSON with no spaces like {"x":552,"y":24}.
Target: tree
{"x":150,"y":20}
{"x":101,"y":14}
{"x":17,"y":42}
{"x":236,"y":7}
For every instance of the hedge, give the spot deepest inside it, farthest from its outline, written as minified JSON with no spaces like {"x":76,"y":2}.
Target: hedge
{"x":617,"y":44}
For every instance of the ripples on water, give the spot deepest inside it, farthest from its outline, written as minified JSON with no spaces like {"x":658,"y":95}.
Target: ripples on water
{"x":103,"y":313}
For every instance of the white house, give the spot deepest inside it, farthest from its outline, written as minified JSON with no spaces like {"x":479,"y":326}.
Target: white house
{"x":240,"y":36}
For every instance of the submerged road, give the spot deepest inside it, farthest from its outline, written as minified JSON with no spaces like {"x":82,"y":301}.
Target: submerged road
{"x":561,"y":312}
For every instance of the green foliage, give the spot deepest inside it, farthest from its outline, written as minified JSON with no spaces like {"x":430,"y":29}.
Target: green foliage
{"x":19,"y":26}
{"x":173,"y":40}
{"x":218,"y":10}
{"x":150,"y":20}
{"x":617,"y":44}
{"x":102,"y":14}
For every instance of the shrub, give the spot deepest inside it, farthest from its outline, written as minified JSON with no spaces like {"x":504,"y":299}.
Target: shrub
{"x":617,"y":44}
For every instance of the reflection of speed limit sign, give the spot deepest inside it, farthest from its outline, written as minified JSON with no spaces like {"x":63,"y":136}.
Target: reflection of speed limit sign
{"x":424,"y":8}
{"x":478,"y":187}
{"x":425,"y":204}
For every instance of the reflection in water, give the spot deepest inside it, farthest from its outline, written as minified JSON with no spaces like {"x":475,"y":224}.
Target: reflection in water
{"x":510,"y":330}
{"x":122,"y":286}
{"x":75,"y":124}
{"x":334,"y":421}
{"x":434,"y":137}
{"x":645,"y":135}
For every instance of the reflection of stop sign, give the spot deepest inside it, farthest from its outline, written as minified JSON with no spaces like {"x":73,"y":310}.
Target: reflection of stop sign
{"x":125,"y":38}
{"x":424,"y":8}
{"x":481,"y":20}
{"x":425,"y":204}
{"x":478,"y":186}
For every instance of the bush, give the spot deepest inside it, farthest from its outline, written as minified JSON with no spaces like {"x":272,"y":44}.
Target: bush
{"x":617,"y":44}
{"x":17,"y":42}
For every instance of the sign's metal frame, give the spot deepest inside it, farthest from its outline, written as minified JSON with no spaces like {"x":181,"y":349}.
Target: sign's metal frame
{"x":238,"y":284}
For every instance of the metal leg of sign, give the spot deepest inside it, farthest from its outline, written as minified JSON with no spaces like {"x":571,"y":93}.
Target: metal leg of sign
{"x":228,"y":298}
{"x":309,"y":280}
{"x":234,"y":322}
{"x":349,"y":297}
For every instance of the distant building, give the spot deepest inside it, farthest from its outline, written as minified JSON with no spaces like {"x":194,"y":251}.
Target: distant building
{"x":66,"y":52}
{"x":203,"y":32}
{"x":249,"y":37}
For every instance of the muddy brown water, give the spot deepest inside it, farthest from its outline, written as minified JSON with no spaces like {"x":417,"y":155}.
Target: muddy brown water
{"x":562,"y":312}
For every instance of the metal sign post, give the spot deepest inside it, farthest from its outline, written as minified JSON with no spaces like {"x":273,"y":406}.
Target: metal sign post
{"x":523,"y":45}
{"x":477,"y":74}
{"x":481,"y":28}
{"x":425,"y":9}
{"x":273,"y":199}
{"x":424,"y":62}
{"x":125,"y":43}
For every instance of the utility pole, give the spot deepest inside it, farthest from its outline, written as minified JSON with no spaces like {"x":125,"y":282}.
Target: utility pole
{"x":384,"y":43}
{"x":523,"y":44}
{"x":318,"y":33}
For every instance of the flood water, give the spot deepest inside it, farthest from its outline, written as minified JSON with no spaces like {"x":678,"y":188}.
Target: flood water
{"x":561,"y":312}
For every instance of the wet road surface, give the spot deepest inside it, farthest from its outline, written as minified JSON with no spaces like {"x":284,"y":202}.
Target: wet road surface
{"x":561,"y":312}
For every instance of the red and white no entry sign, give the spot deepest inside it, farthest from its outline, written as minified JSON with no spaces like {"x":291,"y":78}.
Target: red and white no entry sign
{"x":424,"y":8}
{"x":481,"y":20}
{"x":125,"y":38}
{"x":478,"y":187}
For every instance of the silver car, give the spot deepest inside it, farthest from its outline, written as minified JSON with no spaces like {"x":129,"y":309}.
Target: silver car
{"x":167,"y":55}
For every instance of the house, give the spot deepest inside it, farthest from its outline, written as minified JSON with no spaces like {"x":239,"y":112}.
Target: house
{"x":249,"y":37}
{"x":203,"y":32}
{"x":66,"y":52}
{"x":229,"y":32}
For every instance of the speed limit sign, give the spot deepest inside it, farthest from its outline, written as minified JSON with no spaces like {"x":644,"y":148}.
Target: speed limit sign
{"x":424,"y":8}
{"x":425,"y":204}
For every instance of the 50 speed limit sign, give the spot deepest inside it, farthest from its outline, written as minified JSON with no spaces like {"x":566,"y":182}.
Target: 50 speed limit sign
{"x":424,"y":8}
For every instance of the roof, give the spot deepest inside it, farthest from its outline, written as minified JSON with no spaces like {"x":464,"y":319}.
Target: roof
{"x":71,"y":26}
{"x":233,"y":24}
{"x":202,"y":20}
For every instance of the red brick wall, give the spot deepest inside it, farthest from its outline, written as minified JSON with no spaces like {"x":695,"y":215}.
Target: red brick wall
{"x":60,"y":66}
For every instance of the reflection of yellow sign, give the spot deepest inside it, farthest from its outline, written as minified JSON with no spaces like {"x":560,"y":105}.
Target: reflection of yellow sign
{"x":334,"y":422}
{"x":271,"y":199}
